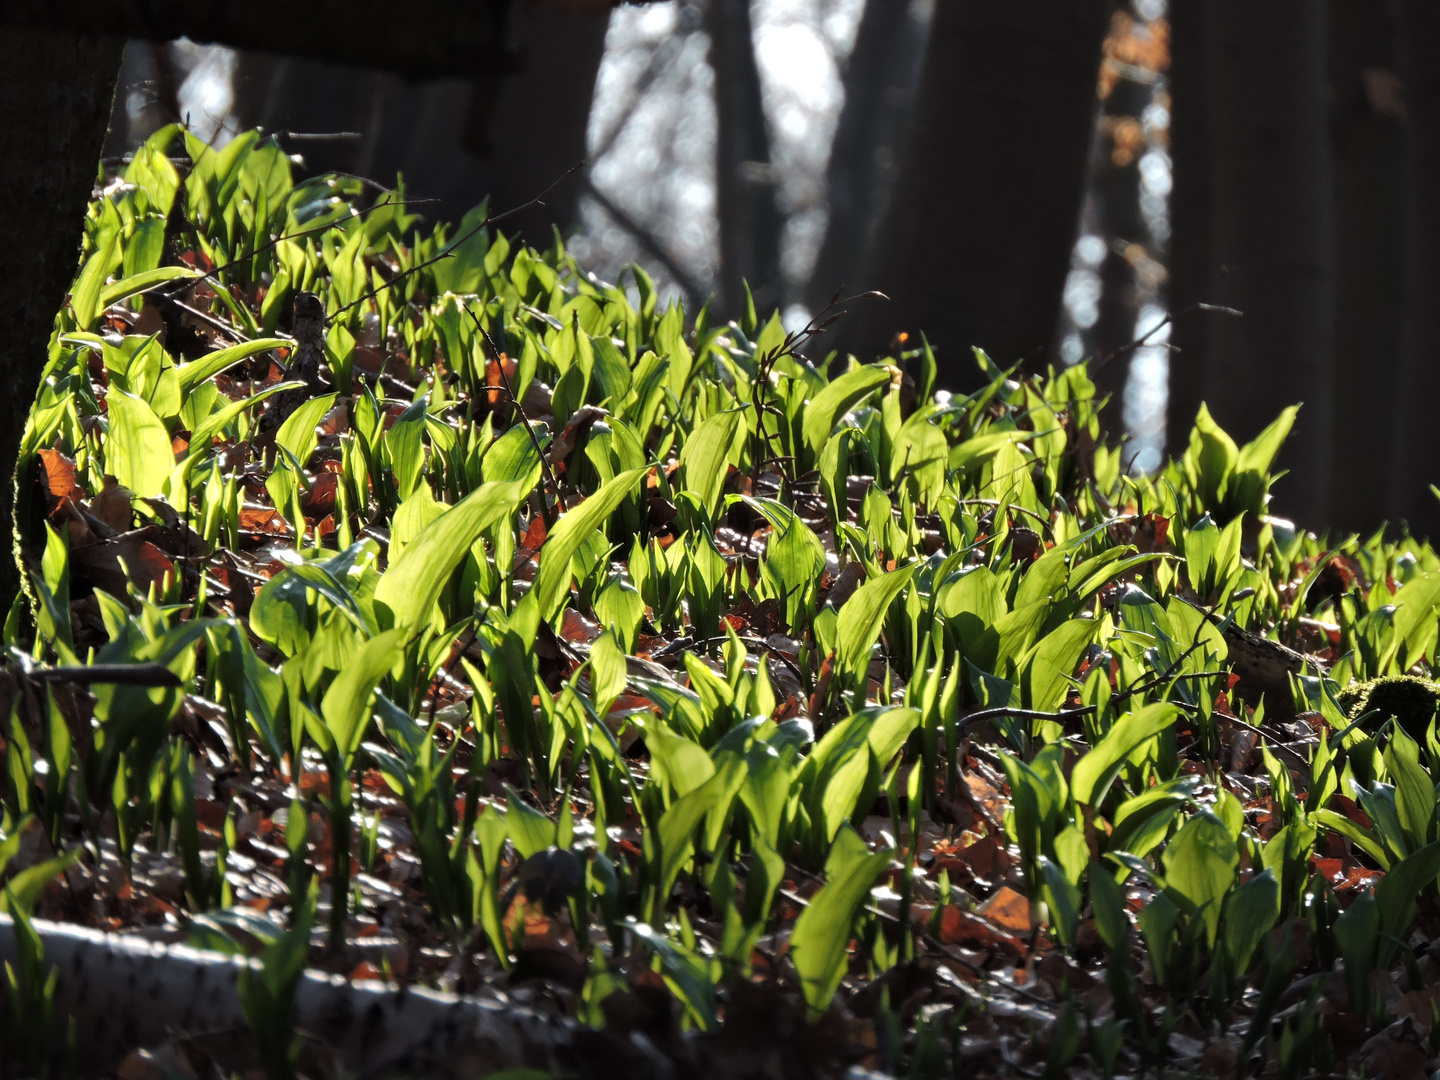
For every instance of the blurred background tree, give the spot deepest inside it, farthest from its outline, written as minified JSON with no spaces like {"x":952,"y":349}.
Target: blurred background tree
{"x":1048,"y":180}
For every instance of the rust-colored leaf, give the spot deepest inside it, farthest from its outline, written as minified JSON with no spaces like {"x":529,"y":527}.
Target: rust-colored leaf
{"x":57,"y":473}
{"x":1008,"y":910}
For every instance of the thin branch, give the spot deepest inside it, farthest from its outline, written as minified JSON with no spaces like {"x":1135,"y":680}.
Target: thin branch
{"x":119,"y":674}
{"x":649,"y":243}
{"x":450,"y":248}
{"x":180,"y":283}
{"x":1170,"y":317}
{"x":208,"y":319}
{"x":499,"y":357}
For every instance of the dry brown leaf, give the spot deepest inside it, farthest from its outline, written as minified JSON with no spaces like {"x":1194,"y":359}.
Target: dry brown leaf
{"x":57,"y":473}
{"x":1008,"y":910}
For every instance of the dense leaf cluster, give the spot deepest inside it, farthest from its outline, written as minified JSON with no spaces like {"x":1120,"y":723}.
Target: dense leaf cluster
{"x":567,"y":642}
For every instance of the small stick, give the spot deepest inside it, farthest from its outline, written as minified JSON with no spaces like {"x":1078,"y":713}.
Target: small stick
{"x":519,"y":408}
{"x":152,"y":674}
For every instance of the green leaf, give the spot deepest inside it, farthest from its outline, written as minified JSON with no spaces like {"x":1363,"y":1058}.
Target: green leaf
{"x":820,"y":942}
{"x":1414,"y":790}
{"x":677,"y":829}
{"x":1107,"y":900}
{"x":411,"y":586}
{"x":28,"y":884}
{"x":143,"y":282}
{"x":707,"y":455}
{"x":1416,"y":606}
{"x":1093,"y":774}
{"x":297,"y":434}
{"x":346,"y":705}
{"x":1357,"y":933}
{"x":1250,"y":912}
{"x":193,"y":374}
{"x":1395,"y":895}
{"x":843,"y":394}
{"x":137,"y":452}
{"x":1201,"y":862}
{"x":572,"y":530}
{"x":85,"y":296}
{"x":1054,"y":658}
{"x":204,"y":434}
{"x":530,"y":831}
{"x":862,"y":616}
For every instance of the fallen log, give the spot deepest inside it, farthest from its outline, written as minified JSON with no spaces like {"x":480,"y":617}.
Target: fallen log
{"x":122,"y":993}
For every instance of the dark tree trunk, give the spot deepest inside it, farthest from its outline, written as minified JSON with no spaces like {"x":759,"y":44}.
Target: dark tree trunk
{"x":1115,"y":189}
{"x":745,"y":180}
{"x":1190,"y":255}
{"x":422,"y":38}
{"x":1366,"y":140}
{"x":869,"y":137}
{"x":538,"y":127}
{"x":1418,"y":387}
{"x":1273,"y":231}
{"x":976,"y":245}
{"x":55,"y":98}
{"x":455,"y":141}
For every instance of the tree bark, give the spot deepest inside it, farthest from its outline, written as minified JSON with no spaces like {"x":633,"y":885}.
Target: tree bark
{"x":1190,"y":254}
{"x":56,"y":93}
{"x":1366,"y":146}
{"x":746,"y":184}
{"x":539,"y":126}
{"x":1412,"y":466}
{"x":976,"y":245}
{"x":869,"y":137}
{"x":1274,"y":235}
{"x":425,"y":38}
{"x":455,"y":141}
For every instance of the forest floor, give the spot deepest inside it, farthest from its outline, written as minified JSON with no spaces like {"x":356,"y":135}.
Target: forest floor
{"x":413,"y":608}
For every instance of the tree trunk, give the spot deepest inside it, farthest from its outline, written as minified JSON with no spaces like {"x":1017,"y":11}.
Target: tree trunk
{"x":746,"y":185}
{"x":976,"y":245}
{"x":1412,"y":466}
{"x":421,"y":39}
{"x":539,"y":125}
{"x":1366,"y":147}
{"x":1190,"y":254}
{"x":454,"y":140}
{"x":869,"y":137}
{"x":1273,"y":234}
{"x":55,"y":97}
{"x":1114,"y":186}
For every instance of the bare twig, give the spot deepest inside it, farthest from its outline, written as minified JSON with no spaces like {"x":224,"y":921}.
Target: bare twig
{"x":499,"y":358}
{"x":209,"y":320}
{"x":1166,"y":321}
{"x":449,"y":249}
{"x":649,"y":242}
{"x":153,"y":674}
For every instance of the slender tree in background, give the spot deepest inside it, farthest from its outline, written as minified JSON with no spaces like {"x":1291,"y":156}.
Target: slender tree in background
{"x":976,"y":244}
{"x":746,"y":183}
{"x":1366,"y":135}
{"x":1414,"y":450}
{"x":55,"y":97}
{"x":1193,"y":276}
{"x":879,"y":82}
{"x":1273,"y":233}
{"x":1113,"y":206}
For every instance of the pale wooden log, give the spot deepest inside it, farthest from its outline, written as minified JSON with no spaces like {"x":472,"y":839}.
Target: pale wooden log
{"x":124,"y":993}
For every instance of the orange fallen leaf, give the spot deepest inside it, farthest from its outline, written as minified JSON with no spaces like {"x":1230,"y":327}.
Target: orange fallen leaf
{"x":1008,"y":910}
